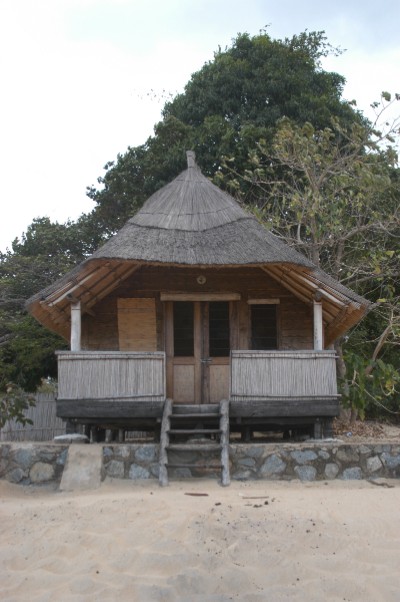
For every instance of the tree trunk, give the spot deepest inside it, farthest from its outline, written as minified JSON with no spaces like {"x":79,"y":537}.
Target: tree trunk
{"x":341,"y":371}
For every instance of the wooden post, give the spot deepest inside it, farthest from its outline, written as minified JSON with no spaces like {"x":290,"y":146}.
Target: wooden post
{"x":164,"y":442}
{"x":224,"y":426}
{"x":318,"y":323}
{"x":76,"y":326}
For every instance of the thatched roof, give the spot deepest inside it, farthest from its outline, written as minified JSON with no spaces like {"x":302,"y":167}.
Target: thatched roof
{"x":192,"y":222}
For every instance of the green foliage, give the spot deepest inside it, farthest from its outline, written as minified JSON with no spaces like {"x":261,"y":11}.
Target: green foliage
{"x":13,"y":404}
{"x":29,"y":353}
{"x":259,"y":80}
{"x":45,"y":252}
{"x":322,"y":190}
{"x":226,"y":108}
{"x":371,"y":388}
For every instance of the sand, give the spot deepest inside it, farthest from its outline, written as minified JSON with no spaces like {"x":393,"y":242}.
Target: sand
{"x":250,"y":542}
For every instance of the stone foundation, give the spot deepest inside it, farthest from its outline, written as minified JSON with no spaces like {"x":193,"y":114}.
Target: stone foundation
{"x":35,"y":464}
{"x":32,"y":463}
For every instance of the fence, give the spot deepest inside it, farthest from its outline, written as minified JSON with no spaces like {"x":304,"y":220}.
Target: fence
{"x":45,"y":425}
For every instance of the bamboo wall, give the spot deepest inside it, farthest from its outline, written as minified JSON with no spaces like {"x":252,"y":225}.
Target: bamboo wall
{"x":45,"y":425}
{"x":105,"y":329}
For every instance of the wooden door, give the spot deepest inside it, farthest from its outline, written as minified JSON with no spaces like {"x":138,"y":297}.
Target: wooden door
{"x":198,"y":351}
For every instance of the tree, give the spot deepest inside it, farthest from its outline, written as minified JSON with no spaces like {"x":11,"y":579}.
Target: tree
{"x":227,"y":106}
{"x":13,"y":404}
{"x":333,"y":194}
{"x":46,"y":251}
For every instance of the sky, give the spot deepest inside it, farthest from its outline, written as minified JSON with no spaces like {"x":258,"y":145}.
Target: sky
{"x":81,"y":80}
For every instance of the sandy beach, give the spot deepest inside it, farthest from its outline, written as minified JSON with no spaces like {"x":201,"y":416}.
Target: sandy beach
{"x":195,"y":540}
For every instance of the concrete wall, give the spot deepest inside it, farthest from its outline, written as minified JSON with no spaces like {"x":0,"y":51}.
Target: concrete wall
{"x":36,"y":463}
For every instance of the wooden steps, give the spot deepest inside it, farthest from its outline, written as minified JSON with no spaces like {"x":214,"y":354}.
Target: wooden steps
{"x":202,"y":429}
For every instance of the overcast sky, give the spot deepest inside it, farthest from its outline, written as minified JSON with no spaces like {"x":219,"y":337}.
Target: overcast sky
{"x":81,"y":80}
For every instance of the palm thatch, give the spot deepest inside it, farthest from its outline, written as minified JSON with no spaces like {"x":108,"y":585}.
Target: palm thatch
{"x":192,"y":222}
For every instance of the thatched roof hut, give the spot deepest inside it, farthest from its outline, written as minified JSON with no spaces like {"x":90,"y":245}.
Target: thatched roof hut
{"x":191,"y":222}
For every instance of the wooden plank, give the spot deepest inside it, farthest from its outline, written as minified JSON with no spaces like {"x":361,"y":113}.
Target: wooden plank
{"x":184,"y":383}
{"x":324,"y":407}
{"x":219,"y":381}
{"x":257,"y":301}
{"x":200,"y":296}
{"x":108,"y":409}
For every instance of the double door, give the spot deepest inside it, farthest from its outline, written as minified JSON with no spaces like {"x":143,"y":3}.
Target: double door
{"x":198,"y":343}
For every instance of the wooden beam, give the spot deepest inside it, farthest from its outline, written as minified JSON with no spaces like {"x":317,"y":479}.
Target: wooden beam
{"x":263,"y":301}
{"x":200,"y":296}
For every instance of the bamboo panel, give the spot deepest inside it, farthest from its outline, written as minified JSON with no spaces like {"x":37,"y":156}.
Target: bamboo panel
{"x":262,"y":374}
{"x":111,"y":375}
{"x":137,"y":325}
{"x":45,"y":425}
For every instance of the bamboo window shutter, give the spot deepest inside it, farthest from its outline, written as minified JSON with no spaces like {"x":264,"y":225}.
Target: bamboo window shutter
{"x":137,"y":325}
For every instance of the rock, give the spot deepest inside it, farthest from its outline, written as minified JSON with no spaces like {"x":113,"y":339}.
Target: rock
{"x":352,"y":473}
{"x":272,"y":465}
{"x":124,"y":451}
{"x":41,"y":472}
{"x":115,"y":469}
{"x":62,"y":458}
{"x":138,"y":472}
{"x":348,"y":454}
{"x":390,"y":461}
{"x":374,"y":464}
{"x":254,"y":451}
{"x":16,"y":475}
{"x":248,"y":462}
{"x":26,"y":456}
{"x":304,"y":456}
{"x":306,"y":473}
{"x":146,"y":453}
{"x":242,"y":475}
{"x":331,"y":470}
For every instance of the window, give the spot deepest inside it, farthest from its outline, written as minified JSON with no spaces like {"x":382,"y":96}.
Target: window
{"x":219,"y":336}
{"x":183,"y":329}
{"x":264,"y":334}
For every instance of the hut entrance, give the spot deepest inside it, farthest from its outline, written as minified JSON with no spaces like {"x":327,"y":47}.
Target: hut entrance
{"x":198,"y":345}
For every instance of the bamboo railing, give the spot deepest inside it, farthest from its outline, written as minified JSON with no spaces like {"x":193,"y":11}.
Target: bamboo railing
{"x":111,"y":375}
{"x":282,"y":374}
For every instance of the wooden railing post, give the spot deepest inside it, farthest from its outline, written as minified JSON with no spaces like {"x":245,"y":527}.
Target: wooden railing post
{"x":318,"y":323}
{"x":76,"y":326}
